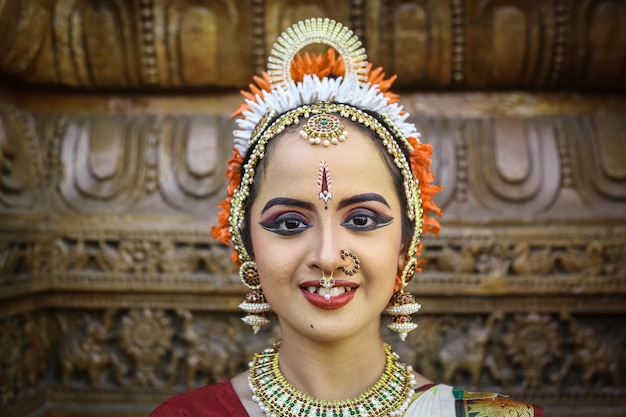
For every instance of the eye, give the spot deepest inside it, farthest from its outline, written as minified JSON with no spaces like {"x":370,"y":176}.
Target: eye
{"x":287,"y":224}
{"x":365,"y":220}
{"x":361,"y":221}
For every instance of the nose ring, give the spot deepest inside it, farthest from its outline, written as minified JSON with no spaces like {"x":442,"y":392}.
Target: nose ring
{"x":327,"y":282}
{"x":357,"y":264}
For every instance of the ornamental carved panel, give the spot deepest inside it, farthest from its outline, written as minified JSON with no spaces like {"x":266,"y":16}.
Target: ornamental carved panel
{"x":150,"y":353}
{"x":458,"y":44}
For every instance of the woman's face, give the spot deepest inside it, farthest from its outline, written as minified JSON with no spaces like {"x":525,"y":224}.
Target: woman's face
{"x":297,"y":236}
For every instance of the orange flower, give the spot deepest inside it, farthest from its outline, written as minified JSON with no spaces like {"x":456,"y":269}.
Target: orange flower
{"x":262,"y":84}
{"x":377,"y":76}
{"x":221,"y":231}
{"x":420,"y":165}
{"x":324,"y":65}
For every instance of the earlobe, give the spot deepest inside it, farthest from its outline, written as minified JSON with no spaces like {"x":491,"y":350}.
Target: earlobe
{"x":401,"y":261}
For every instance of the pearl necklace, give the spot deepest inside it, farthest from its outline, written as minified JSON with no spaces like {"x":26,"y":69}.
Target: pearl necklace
{"x":390,"y":396}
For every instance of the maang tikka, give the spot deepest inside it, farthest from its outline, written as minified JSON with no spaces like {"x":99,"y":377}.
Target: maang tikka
{"x":324,"y":129}
{"x":254,"y":303}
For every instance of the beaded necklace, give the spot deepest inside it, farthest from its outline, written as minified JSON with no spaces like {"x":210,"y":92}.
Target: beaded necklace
{"x":390,"y":396}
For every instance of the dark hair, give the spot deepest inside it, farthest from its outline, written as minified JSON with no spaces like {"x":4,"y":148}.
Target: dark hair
{"x":398,"y":181}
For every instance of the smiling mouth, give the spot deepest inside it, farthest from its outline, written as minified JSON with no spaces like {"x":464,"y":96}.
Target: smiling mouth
{"x":329,"y":299}
{"x":328,"y":293}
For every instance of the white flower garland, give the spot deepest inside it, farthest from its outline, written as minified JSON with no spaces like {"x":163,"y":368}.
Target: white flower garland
{"x":313,"y":89}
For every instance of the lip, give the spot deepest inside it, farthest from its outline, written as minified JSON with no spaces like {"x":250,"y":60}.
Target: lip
{"x":334,"y":302}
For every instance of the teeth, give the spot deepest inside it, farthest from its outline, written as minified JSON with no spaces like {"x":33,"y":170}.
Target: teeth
{"x":333,"y":292}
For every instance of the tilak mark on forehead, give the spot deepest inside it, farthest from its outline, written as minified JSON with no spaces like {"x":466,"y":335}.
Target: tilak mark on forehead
{"x":324,"y":182}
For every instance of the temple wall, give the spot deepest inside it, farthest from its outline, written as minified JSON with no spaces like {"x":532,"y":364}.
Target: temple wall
{"x":114,"y":137}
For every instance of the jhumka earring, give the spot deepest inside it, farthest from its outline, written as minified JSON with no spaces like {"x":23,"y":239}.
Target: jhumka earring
{"x":255,"y":303}
{"x":403,"y":304}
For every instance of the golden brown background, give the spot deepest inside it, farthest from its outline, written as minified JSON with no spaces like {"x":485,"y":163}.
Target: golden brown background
{"x":114,"y":135}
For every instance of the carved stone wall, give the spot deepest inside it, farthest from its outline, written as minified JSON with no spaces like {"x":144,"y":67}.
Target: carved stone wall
{"x":431,"y":44}
{"x":114,"y":137}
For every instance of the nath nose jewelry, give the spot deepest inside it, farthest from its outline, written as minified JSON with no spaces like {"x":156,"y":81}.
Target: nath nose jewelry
{"x":327,"y":282}
{"x":357,"y":264}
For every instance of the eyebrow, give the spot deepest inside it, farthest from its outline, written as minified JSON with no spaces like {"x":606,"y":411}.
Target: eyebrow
{"x":282,"y":201}
{"x":361,"y":198}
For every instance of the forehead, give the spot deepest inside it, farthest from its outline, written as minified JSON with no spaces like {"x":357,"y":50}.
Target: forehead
{"x":357,"y":162}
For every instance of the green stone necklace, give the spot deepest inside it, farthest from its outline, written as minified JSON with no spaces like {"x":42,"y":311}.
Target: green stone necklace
{"x":390,"y":396}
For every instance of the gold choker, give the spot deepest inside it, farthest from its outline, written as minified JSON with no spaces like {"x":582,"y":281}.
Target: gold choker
{"x":390,"y":396}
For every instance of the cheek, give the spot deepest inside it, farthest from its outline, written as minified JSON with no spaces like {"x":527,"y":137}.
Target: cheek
{"x":391,"y":243}
{"x":396,"y":255}
{"x":264,"y":250}
{"x":275,"y":261}
{"x":383,"y":255}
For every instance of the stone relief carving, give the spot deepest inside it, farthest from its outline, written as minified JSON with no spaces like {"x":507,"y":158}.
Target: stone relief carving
{"x":496,"y":262}
{"x":498,"y":168}
{"x":24,"y":351}
{"x":464,"y":348}
{"x":587,"y":260}
{"x":20,"y":259}
{"x":9,"y":257}
{"x":533,"y":341}
{"x":599,"y":168}
{"x":452,"y":259}
{"x":146,"y":337}
{"x":181,"y":349}
{"x":139,"y":256}
{"x":176,"y":158}
{"x":21,"y":161}
{"x":155,"y":43}
{"x":513,"y":164}
{"x":532,"y":261}
{"x":592,"y":257}
{"x":210,"y":350}
{"x":594,"y":356}
{"x":141,"y":348}
{"x":86,"y":349}
{"x":517,"y":167}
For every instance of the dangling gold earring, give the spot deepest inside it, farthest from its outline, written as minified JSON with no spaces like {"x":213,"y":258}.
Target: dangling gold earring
{"x":402,"y":304}
{"x":255,"y":303}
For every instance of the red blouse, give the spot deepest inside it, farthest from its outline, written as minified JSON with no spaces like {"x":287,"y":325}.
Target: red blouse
{"x":215,"y":400}
{"x":220,"y":400}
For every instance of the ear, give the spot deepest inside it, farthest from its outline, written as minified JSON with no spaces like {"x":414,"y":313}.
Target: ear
{"x":401,"y":260}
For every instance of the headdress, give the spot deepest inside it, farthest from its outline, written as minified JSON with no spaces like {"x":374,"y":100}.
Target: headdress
{"x":299,"y":86}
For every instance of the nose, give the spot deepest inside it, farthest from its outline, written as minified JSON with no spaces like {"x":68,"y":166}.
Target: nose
{"x":328,"y":250}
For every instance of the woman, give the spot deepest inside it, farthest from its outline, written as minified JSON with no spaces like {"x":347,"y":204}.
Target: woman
{"x":329,"y":194}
